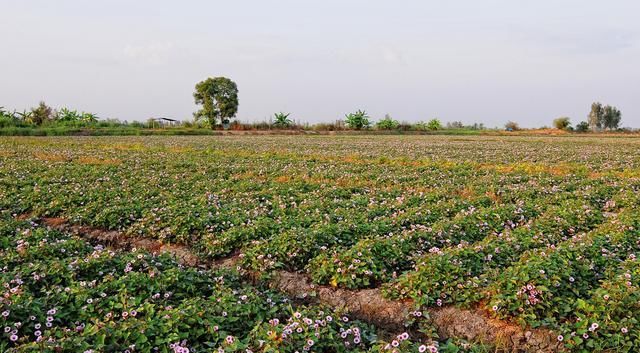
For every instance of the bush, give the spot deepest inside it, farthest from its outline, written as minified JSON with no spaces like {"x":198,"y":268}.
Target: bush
{"x":512,"y":126}
{"x":434,"y":124}
{"x":358,"y":120}
{"x":282,"y":121}
{"x":388,"y":123}
{"x":582,"y":126}
{"x":41,"y":113}
{"x":337,"y":126}
{"x":562,"y":123}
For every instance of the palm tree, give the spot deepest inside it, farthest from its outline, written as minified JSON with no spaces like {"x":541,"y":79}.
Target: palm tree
{"x":282,"y":120}
{"x":89,"y":117}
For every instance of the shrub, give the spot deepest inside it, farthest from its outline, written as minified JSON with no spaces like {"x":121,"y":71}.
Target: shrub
{"x":358,"y":120}
{"x":512,"y":126}
{"x":562,"y":123}
{"x":388,"y":123}
{"x":582,"y":126}
{"x":281,"y":120}
{"x":41,"y":113}
{"x":434,"y":124}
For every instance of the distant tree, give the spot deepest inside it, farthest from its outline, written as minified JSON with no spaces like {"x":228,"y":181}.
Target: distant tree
{"x":604,"y":117}
{"x":41,"y":114}
{"x":562,"y":123}
{"x":611,"y":117}
{"x":434,"y":124}
{"x":8,"y":118}
{"x":219,"y":99}
{"x":595,"y":116}
{"x":455,"y":125}
{"x":65,"y":115}
{"x":582,"y":126}
{"x":358,"y":120}
{"x":388,"y":123}
{"x":7,"y":115}
{"x":25,"y":116}
{"x":512,"y":126}
{"x":282,"y":120}
{"x":88,"y":117}
{"x":477,"y":126}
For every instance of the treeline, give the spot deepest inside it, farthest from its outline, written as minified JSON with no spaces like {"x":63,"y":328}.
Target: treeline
{"x":600,"y":118}
{"x":43,"y":119}
{"x":46,"y":117}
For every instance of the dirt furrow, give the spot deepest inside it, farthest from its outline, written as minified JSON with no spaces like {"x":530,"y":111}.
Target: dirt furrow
{"x":366,"y":304}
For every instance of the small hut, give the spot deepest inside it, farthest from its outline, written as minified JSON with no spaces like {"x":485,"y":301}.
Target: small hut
{"x":164,"y":122}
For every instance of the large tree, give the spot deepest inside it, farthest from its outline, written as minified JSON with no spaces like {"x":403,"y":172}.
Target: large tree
{"x":219,"y":99}
{"x":611,"y":117}
{"x":595,"y":116}
{"x":41,"y":114}
{"x":604,"y":117}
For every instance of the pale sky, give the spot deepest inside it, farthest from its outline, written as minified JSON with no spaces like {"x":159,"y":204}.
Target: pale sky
{"x":474,"y":61}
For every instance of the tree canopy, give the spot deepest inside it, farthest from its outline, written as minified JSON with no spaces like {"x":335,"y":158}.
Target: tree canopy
{"x":604,"y":117}
{"x":611,"y":117}
{"x":562,"y":123}
{"x":218,"y":97}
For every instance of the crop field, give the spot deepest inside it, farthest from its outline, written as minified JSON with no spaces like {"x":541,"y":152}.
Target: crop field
{"x":537,"y":234}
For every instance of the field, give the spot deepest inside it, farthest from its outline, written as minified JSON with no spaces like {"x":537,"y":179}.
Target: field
{"x":531,"y":239}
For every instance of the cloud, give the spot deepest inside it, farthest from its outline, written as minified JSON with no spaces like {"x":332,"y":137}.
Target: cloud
{"x":576,"y":40}
{"x":153,"y":53}
{"x":392,"y":56}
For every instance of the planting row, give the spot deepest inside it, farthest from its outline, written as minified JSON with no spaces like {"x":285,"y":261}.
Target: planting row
{"x":61,"y":294}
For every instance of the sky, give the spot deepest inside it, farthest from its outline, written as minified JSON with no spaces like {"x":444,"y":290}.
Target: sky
{"x":472,"y":61}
